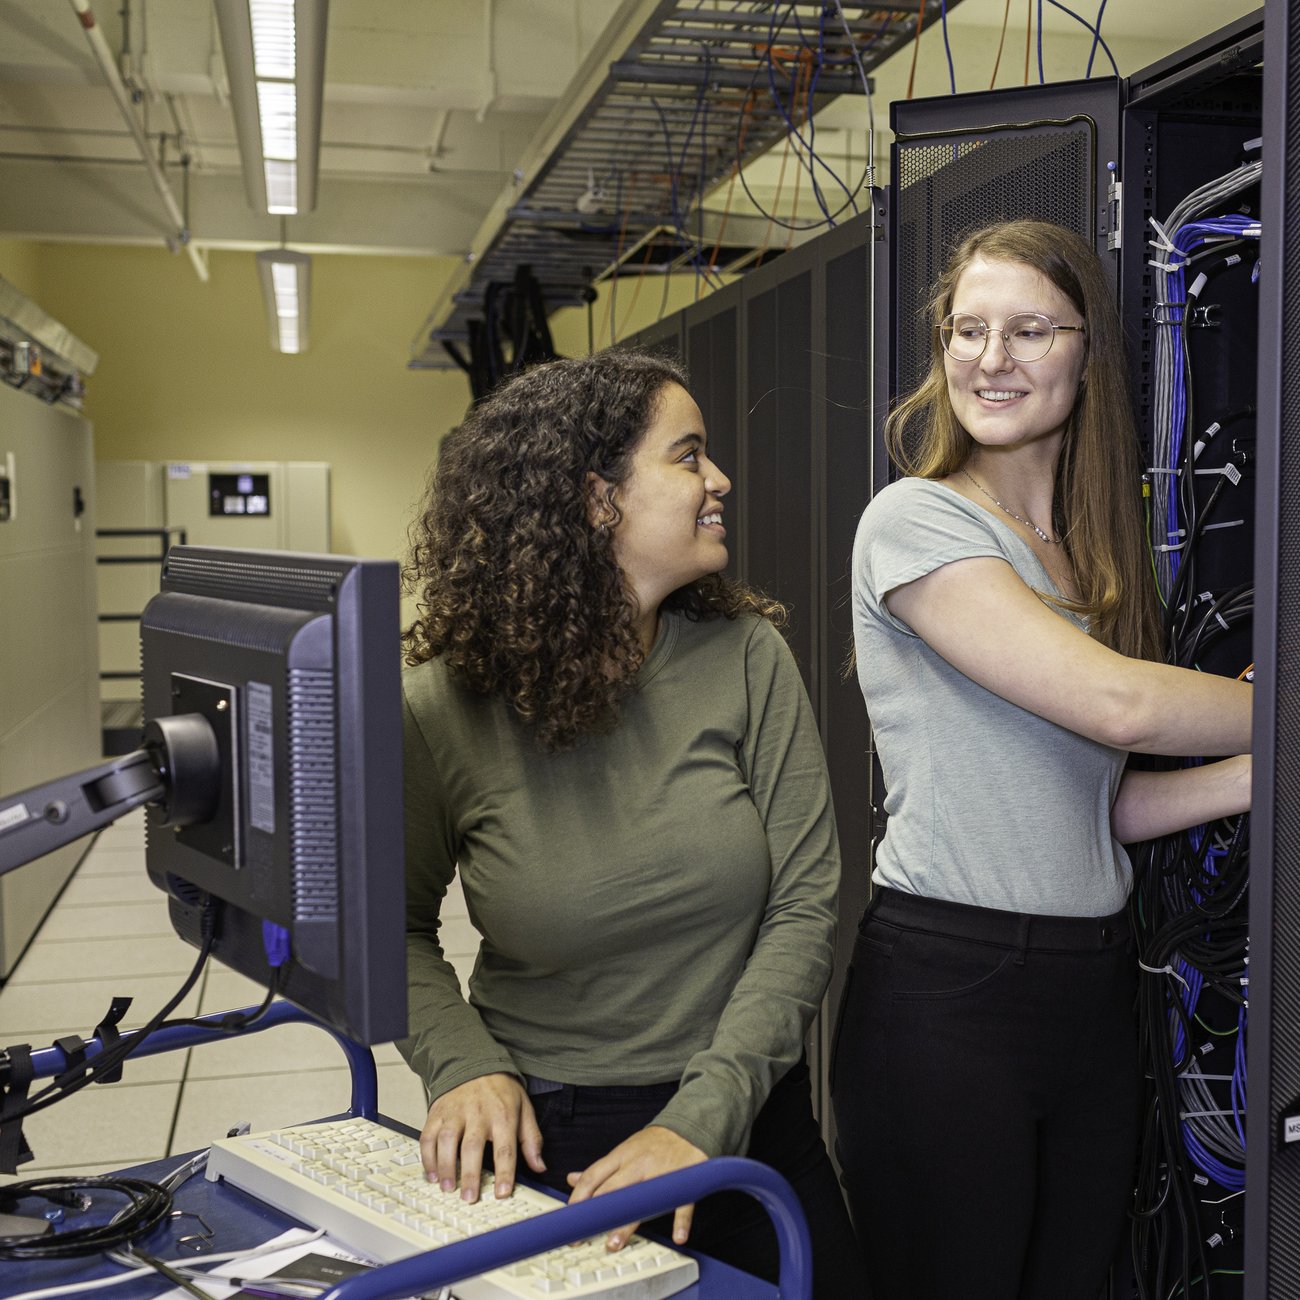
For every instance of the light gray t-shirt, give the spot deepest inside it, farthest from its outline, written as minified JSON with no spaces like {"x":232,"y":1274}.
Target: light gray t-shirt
{"x":988,"y":803}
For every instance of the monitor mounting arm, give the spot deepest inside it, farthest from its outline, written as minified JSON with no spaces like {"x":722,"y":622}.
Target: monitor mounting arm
{"x":178,"y":767}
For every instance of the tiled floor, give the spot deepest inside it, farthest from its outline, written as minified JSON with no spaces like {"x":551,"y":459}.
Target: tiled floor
{"x":108,"y":935}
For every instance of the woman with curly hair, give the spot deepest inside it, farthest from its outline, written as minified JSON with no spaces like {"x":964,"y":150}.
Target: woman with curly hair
{"x":609,"y":740}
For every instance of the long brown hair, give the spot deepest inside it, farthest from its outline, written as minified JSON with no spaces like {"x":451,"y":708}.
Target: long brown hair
{"x":1095,"y":501}
{"x":519,"y":595}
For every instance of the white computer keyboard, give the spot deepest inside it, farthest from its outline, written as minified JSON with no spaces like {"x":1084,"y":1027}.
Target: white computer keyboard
{"x":364,"y":1184}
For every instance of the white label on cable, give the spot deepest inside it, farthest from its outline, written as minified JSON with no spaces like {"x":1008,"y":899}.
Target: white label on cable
{"x":261,"y":758}
{"x":13,"y":816}
{"x":178,"y":471}
{"x":1291,"y":1129}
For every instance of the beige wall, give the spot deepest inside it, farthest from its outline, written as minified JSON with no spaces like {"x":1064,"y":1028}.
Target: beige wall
{"x":18,"y":266}
{"x":186,"y":371}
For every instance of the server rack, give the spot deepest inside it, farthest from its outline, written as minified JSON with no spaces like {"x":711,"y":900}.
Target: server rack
{"x":1105,"y":159}
{"x":1272,"y":1245}
{"x":780,"y":364}
{"x":802,"y":350}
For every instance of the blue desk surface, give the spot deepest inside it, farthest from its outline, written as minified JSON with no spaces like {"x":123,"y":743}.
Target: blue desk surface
{"x":239,"y":1221}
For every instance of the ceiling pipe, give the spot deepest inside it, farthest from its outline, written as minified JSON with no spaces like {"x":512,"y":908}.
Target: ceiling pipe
{"x":104,"y":57}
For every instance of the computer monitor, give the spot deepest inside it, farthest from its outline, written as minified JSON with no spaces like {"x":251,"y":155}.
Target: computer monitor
{"x":295,"y":865}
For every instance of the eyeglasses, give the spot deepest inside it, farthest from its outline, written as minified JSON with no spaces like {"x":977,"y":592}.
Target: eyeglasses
{"x":1026,"y":337}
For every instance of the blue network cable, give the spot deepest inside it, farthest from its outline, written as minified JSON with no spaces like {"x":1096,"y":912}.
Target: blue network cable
{"x":1084,"y":23}
{"x":1186,"y":239}
{"x":947,"y":46}
{"x":1096,"y":38}
{"x":1193,"y":982}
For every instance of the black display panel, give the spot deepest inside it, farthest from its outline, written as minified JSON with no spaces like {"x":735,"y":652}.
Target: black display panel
{"x":297,"y":874}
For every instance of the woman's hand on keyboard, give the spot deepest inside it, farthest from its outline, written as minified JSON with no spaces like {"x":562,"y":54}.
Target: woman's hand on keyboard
{"x":646,"y":1154}
{"x":492,"y":1108}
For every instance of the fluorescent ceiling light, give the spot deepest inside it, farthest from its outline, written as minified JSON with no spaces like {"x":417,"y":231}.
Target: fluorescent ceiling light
{"x":286,"y":291}
{"x":275,"y":63}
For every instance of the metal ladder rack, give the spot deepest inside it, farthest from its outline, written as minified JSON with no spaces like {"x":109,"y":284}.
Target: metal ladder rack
{"x":675,"y":99}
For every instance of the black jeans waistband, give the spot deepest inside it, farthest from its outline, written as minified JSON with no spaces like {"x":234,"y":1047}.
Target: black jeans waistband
{"x":1022,"y":930}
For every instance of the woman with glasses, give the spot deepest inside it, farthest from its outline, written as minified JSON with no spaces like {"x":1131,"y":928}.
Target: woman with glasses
{"x":985,"y":1077}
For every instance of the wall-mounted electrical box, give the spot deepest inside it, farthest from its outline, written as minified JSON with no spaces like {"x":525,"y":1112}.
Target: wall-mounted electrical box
{"x":6,"y":487}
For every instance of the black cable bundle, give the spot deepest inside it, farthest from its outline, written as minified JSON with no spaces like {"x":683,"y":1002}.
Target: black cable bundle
{"x":1184,"y":910}
{"x":1190,"y":905}
{"x":147,"y":1205}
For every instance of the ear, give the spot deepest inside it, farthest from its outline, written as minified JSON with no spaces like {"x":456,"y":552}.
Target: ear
{"x":599,"y":493}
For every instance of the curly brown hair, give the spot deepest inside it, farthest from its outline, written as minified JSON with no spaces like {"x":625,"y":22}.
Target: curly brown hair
{"x":519,"y":594}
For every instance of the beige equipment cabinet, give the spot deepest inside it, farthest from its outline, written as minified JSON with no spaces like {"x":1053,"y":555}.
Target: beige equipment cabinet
{"x":295,"y":496}
{"x":49,"y":663}
{"x":153,"y":495}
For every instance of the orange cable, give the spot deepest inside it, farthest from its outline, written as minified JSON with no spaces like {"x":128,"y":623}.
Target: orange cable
{"x":746,"y":112}
{"x":1029,"y":27}
{"x":916,"y":46}
{"x":800,"y":91}
{"x":1006,"y":13}
{"x":636,"y":288}
{"x":618,"y":252}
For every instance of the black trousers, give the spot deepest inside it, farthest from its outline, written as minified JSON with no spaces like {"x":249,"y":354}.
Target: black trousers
{"x":985,"y":1083}
{"x":581,"y":1124}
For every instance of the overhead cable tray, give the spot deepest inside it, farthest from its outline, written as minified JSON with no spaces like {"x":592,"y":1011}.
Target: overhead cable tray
{"x":674,"y":100}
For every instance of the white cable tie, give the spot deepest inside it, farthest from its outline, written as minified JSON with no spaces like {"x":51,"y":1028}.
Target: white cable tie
{"x":1200,"y":1180}
{"x":1232,"y":473}
{"x":1228,"y":523}
{"x":1198,"y":284}
{"x":1170,"y":267}
{"x":1232,"y":259}
{"x":1160,"y":469}
{"x":1165,"y":970}
{"x":1173,"y":546}
{"x":1164,"y":241}
{"x":1204,"y":1114}
{"x":1251,"y":145}
{"x":1223,"y":623}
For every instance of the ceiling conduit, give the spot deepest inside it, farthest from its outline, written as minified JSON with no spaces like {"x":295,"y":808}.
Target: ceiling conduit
{"x":104,"y":57}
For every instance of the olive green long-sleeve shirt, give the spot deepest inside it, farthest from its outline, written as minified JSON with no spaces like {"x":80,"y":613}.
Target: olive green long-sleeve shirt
{"x":655,"y":905}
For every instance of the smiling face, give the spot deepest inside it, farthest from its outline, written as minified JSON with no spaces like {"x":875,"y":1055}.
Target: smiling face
{"x":1001,"y":402}
{"x":670,"y":532}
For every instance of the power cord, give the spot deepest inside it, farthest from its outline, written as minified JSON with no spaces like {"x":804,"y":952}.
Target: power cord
{"x":147,"y":1205}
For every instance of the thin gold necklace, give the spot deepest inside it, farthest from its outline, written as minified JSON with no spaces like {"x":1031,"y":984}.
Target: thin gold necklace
{"x":1028,"y":523}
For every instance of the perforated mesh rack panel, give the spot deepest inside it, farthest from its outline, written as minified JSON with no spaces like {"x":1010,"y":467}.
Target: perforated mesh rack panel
{"x":946,"y":186}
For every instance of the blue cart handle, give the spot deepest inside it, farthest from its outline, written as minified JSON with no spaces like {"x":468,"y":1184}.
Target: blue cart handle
{"x":453,"y":1263}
